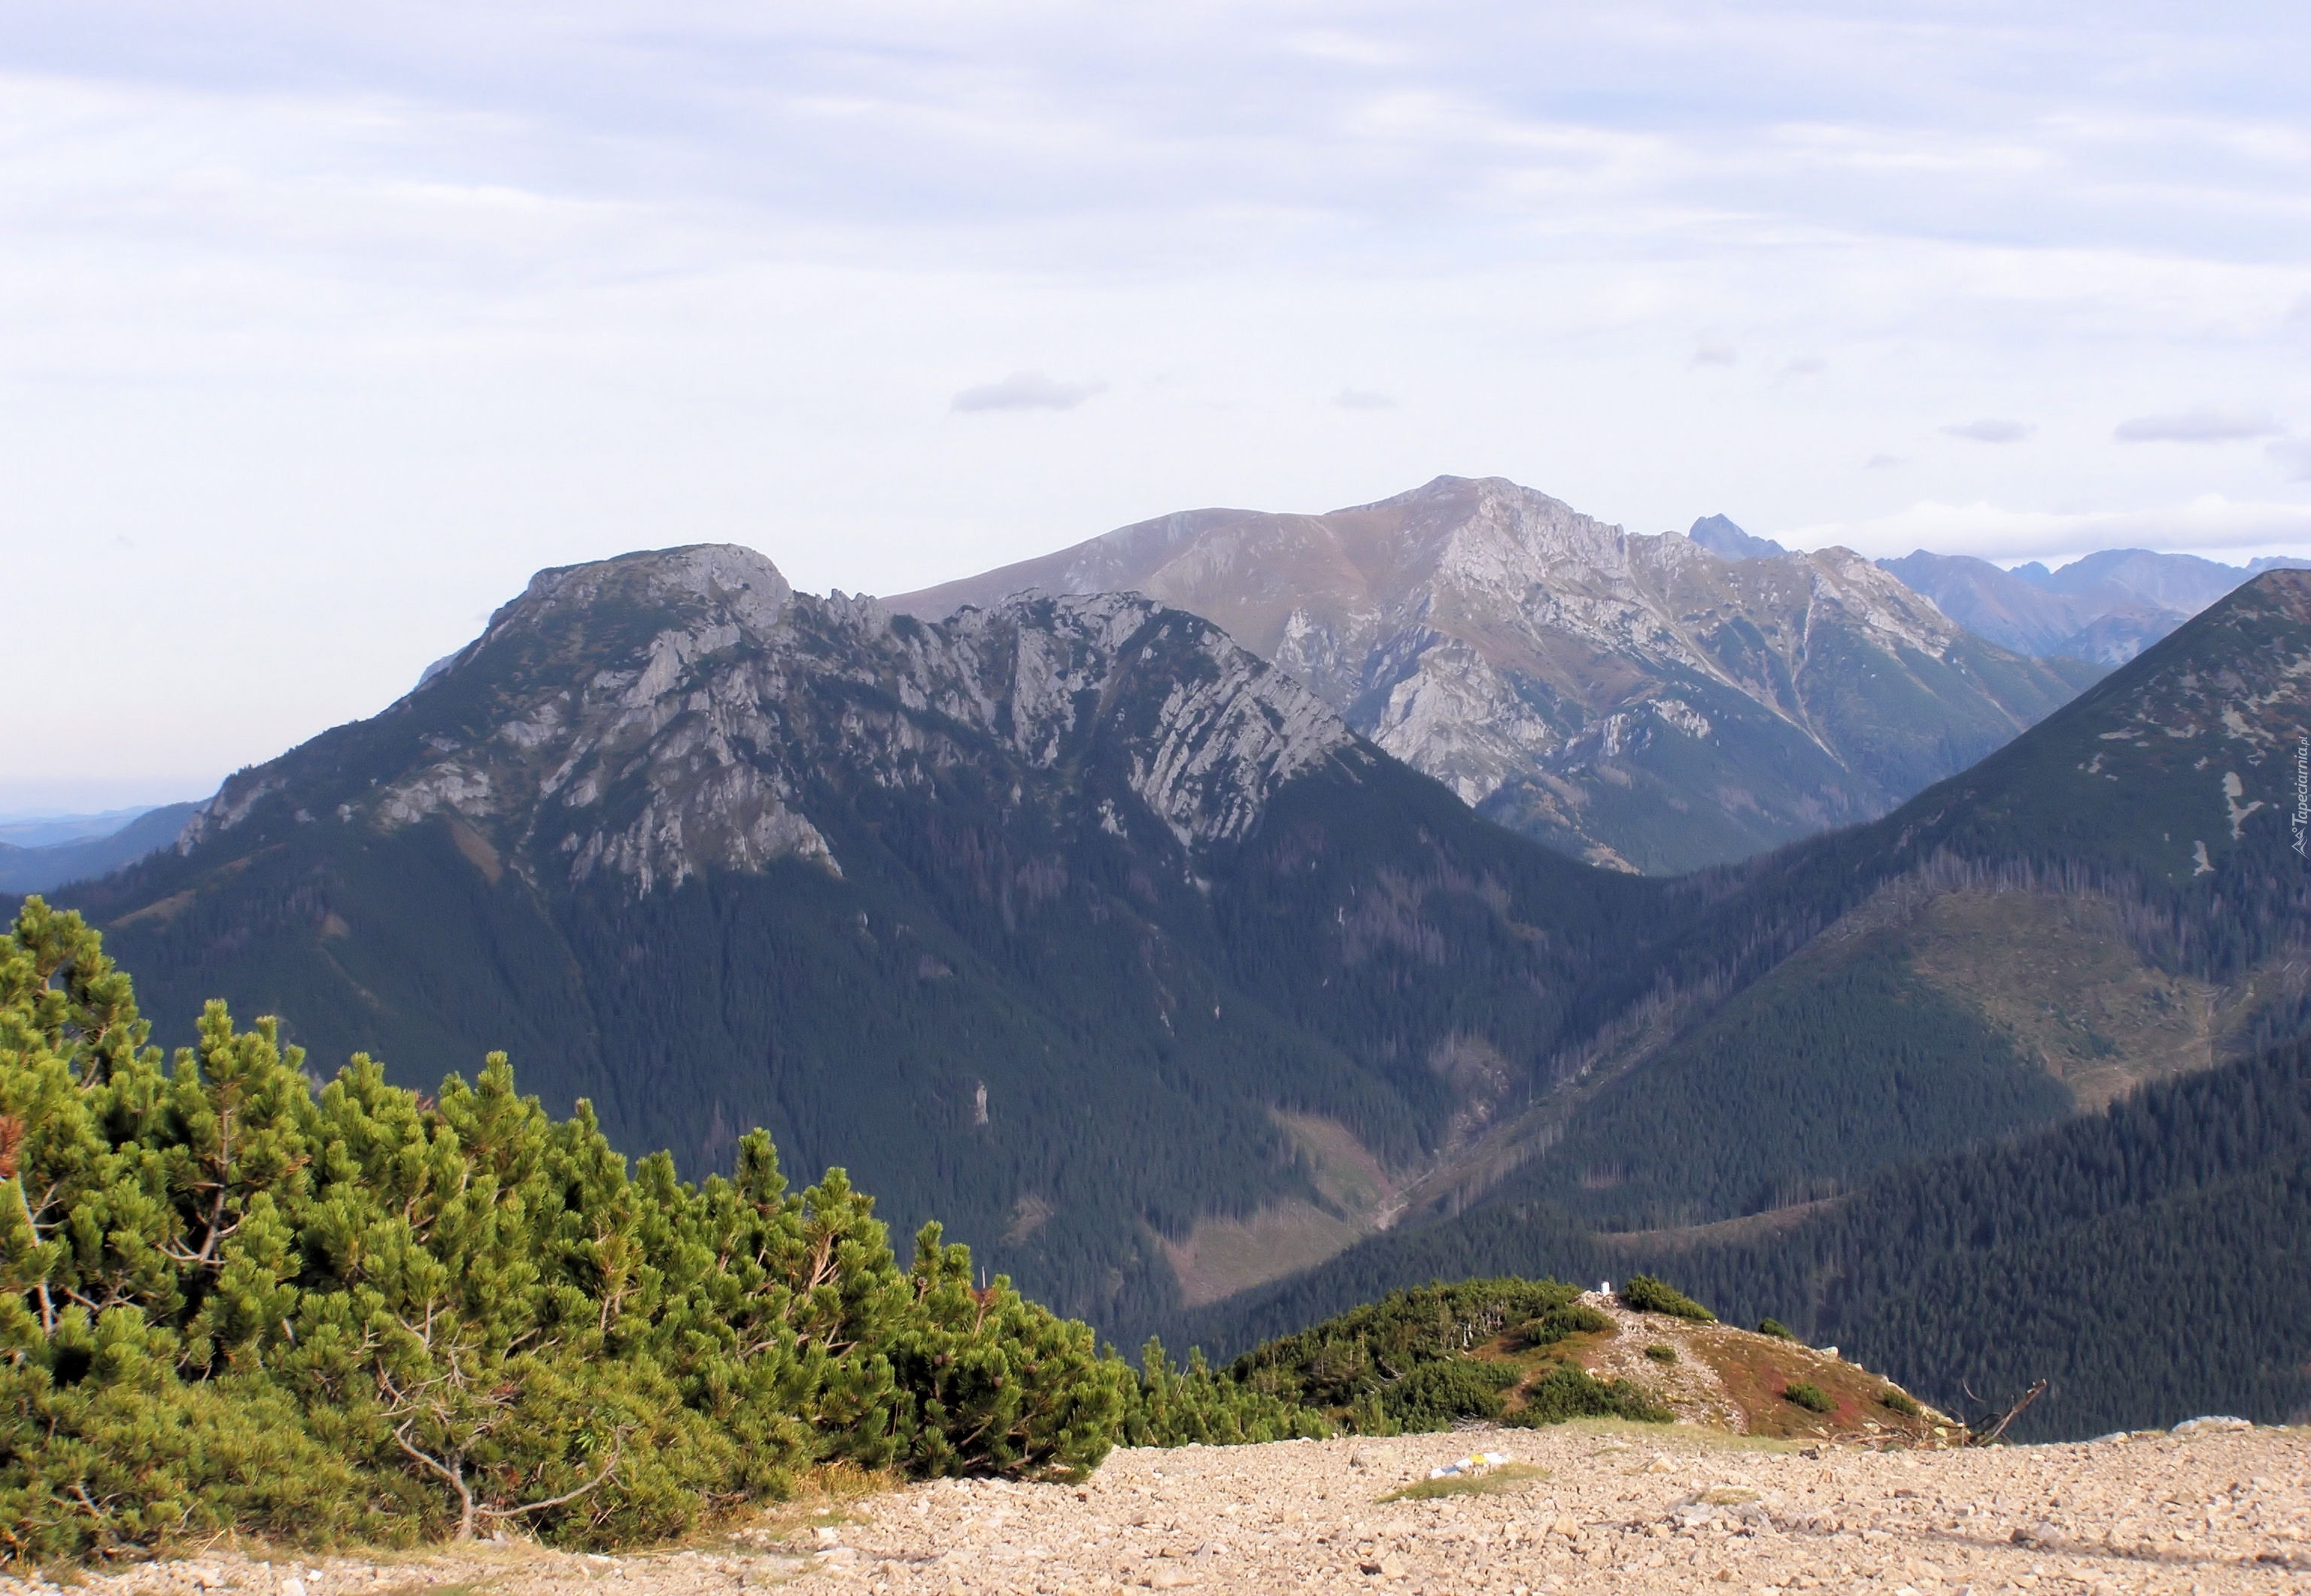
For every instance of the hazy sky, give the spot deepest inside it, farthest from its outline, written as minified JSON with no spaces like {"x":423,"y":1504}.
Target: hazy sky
{"x":322,"y":326}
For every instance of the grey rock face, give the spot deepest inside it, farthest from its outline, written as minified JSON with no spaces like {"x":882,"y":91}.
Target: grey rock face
{"x":1636,"y":700}
{"x":1720,"y":535}
{"x":663,"y":714}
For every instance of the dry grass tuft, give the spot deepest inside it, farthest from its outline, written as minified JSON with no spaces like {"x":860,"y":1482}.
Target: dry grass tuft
{"x":1499,"y":1480}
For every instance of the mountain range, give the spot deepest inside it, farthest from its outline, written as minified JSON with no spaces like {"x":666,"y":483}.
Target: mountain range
{"x":2097,"y":944}
{"x":1069,"y":920}
{"x":2106,"y":606}
{"x":66,"y":851}
{"x":1073,"y":922}
{"x":1641,"y":702}
{"x":1142,"y":960}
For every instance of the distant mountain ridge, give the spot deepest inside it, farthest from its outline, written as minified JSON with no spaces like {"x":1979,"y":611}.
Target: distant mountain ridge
{"x":2106,"y":606}
{"x":1720,"y":535}
{"x":1638,"y":701}
{"x":42,"y":867}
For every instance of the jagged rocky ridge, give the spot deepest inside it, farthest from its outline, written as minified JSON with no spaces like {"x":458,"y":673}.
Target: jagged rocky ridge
{"x":1638,"y":702}
{"x":690,"y":751}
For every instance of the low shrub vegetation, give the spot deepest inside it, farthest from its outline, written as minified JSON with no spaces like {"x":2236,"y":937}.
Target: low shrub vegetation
{"x":1405,"y":1363}
{"x":1775,"y":1329}
{"x":1809,"y":1396}
{"x":1661,"y":1355}
{"x":233,"y":1302}
{"x":1569,"y":1391}
{"x":1554,"y":1326}
{"x":1648,"y":1295}
{"x":1900,"y":1401}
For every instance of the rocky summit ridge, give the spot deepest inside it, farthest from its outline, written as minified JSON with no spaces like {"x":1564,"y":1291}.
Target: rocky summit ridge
{"x":1638,"y":702}
{"x":659,"y":714}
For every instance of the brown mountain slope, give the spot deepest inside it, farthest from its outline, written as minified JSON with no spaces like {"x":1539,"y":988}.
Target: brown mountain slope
{"x":1634,"y":700}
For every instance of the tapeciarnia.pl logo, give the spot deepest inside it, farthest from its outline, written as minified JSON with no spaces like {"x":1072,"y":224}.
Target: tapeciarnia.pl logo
{"x":2302,"y":816}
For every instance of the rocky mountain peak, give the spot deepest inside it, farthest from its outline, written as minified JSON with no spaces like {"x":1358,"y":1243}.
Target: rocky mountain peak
{"x":1720,"y":535}
{"x":1636,"y":700}
{"x":718,"y":583}
{"x":665,"y":713}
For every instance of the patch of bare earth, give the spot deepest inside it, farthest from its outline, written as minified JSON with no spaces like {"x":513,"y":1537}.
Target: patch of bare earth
{"x":1637,"y":1510}
{"x":1355,"y":1197}
{"x":2059,"y":976}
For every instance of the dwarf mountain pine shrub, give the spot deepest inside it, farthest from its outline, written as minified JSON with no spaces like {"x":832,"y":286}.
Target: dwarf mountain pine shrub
{"x":1648,"y":1295}
{"x":1809,"y":1396}
{"x":231,"y":1302}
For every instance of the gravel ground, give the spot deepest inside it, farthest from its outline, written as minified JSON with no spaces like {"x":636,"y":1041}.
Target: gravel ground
{"x":1581,"y":1508}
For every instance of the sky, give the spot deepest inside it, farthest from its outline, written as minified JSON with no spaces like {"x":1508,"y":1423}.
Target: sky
{"x":323,"y":326}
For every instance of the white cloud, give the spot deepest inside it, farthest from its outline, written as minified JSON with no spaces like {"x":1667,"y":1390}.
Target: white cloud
{"x":1991,"y":430}
{"x":353,"y":316}
{"x":2294,"y":456}
{"x":2197,"y":426}
{"x":1027,"y":390}
{"x":1356,"y":398}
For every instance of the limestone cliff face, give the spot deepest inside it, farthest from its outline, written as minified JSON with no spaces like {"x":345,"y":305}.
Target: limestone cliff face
{"x":1634,"y":700}
{"x":665,"y":713}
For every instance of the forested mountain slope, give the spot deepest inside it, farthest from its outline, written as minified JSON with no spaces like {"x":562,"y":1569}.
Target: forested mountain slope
{"x":1639,"y":702}
{"x":2151,"y":1261}
{"x":2108,"y":915}
{"x":2113,"y":898}
{"x":1069,"y":921}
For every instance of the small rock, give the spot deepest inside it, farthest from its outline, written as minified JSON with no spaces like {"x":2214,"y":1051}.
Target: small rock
{"x":293,"y":1586}
{"x":2212,"y":1425}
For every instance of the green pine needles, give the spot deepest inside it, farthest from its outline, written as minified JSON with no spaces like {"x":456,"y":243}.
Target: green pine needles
{"x":233,"y":1302}
{"x":1647,"y":1295}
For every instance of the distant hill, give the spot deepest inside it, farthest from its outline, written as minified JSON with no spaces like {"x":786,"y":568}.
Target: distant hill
{"x":1637,"y":702}
{"x":1524,"y":1352}
{"x":43,"y":867}
{"x":2106,"y":606}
